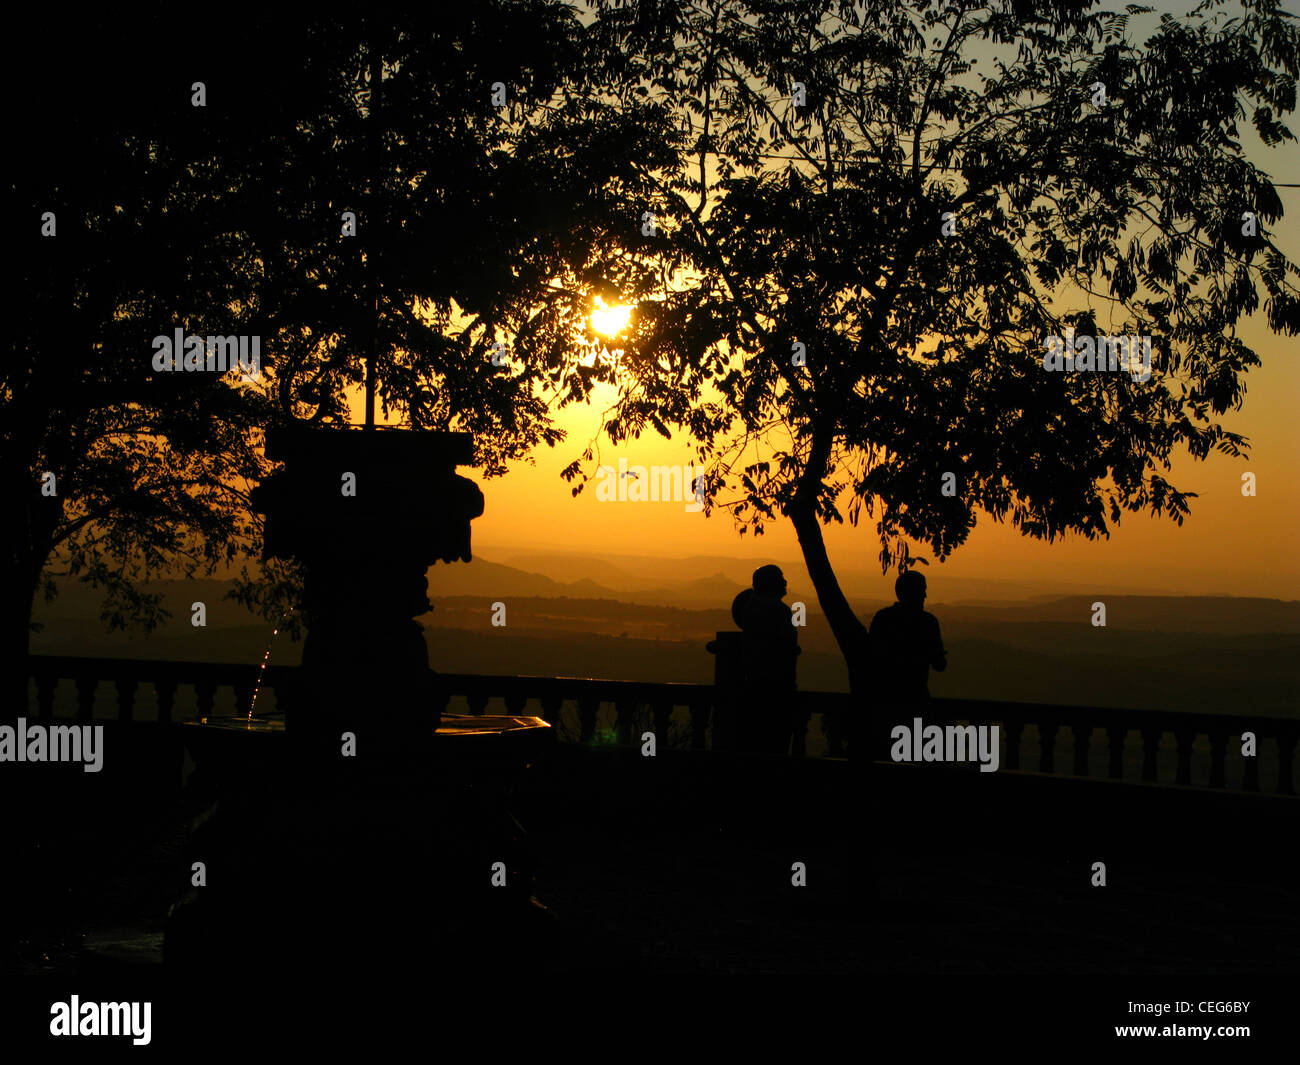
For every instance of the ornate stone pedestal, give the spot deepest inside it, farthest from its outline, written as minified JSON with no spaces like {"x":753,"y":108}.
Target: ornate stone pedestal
{"x":365,"y":831}
{"x":366,"y":512}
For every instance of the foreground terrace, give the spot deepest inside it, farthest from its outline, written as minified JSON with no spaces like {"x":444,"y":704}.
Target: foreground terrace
{"x":682,"y":863}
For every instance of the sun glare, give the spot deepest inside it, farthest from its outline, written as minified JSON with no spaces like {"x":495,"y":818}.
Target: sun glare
{"x":609,"y":321}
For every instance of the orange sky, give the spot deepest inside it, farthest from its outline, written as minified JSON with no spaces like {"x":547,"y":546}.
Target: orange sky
{"x":1229,"y":545}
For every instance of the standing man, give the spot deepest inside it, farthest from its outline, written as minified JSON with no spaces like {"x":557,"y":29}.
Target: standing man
{"x":906,"y":644}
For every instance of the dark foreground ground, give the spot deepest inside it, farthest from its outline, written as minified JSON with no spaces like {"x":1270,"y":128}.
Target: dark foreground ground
{"x":974,"y":873}
{"x":683,"y":864}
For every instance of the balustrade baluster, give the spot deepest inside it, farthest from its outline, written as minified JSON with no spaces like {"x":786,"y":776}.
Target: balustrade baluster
{"x":588,"y":705}
{"x":126,"y":688}
{"x":552,"y":705}
{"x":1285,"y":749}
{"x":516,"y":699}
{"x":663,"y":712}
{"x":46,"y":683}
{"x":206,"y":694}
{"x":1082,"y":739}
{"x":1116,"y":734}
{"x":699,"y":724}
{"x":1218,"y":757}
{"x":834,"y":727}
{"x":1250,"y":767}
{"x":86,"y":686}
{"x":1013,"y":729}
{"x":1150,"y":748}
{"x":165,"y":690}
{"x":1185,"y":737}
{"x":625,"y":720}
{"x":1047,"y":747}
{"x":477,"y":697}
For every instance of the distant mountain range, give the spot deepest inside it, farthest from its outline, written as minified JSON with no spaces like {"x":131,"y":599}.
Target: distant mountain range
{"x":649,"y":619}
{"x":632,"y":576}
{"x":597,"y":581}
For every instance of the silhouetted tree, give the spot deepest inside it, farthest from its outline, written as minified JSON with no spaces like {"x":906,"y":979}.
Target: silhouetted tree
{"x":474,"y":223}
{"x":918,"y":195}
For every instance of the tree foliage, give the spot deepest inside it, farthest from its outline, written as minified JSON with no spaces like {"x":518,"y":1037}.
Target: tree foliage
{"x":475,"y":224}
{"x":828,"y":143}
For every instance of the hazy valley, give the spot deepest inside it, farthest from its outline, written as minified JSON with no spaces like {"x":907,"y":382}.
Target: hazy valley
{"x":649,"y":619}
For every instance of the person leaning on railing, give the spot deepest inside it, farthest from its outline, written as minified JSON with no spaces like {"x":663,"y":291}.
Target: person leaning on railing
{"x":771,"y":647}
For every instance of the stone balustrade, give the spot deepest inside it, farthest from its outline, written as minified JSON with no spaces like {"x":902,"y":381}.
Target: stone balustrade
{"x":1156,"y":746}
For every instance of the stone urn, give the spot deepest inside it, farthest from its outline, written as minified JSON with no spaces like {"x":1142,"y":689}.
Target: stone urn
{"x":366,"y":512}
{"x":369,"y":829}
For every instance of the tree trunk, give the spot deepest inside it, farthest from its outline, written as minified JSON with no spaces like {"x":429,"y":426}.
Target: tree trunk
{"x":850,"y":634}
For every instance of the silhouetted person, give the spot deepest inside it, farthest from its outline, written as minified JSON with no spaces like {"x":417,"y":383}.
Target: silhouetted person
{"x":906,"y":644}
{"x":771,"y":645}
{"x":738,"y":606}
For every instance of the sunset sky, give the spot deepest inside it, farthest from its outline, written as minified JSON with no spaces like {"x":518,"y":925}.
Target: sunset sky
{"x":1229,"y":545}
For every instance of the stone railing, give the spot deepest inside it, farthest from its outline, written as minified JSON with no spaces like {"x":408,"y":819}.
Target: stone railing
{"x":1155,"y":746}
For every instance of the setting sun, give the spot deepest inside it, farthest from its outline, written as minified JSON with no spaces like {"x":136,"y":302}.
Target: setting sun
{"x":610,"y":321}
